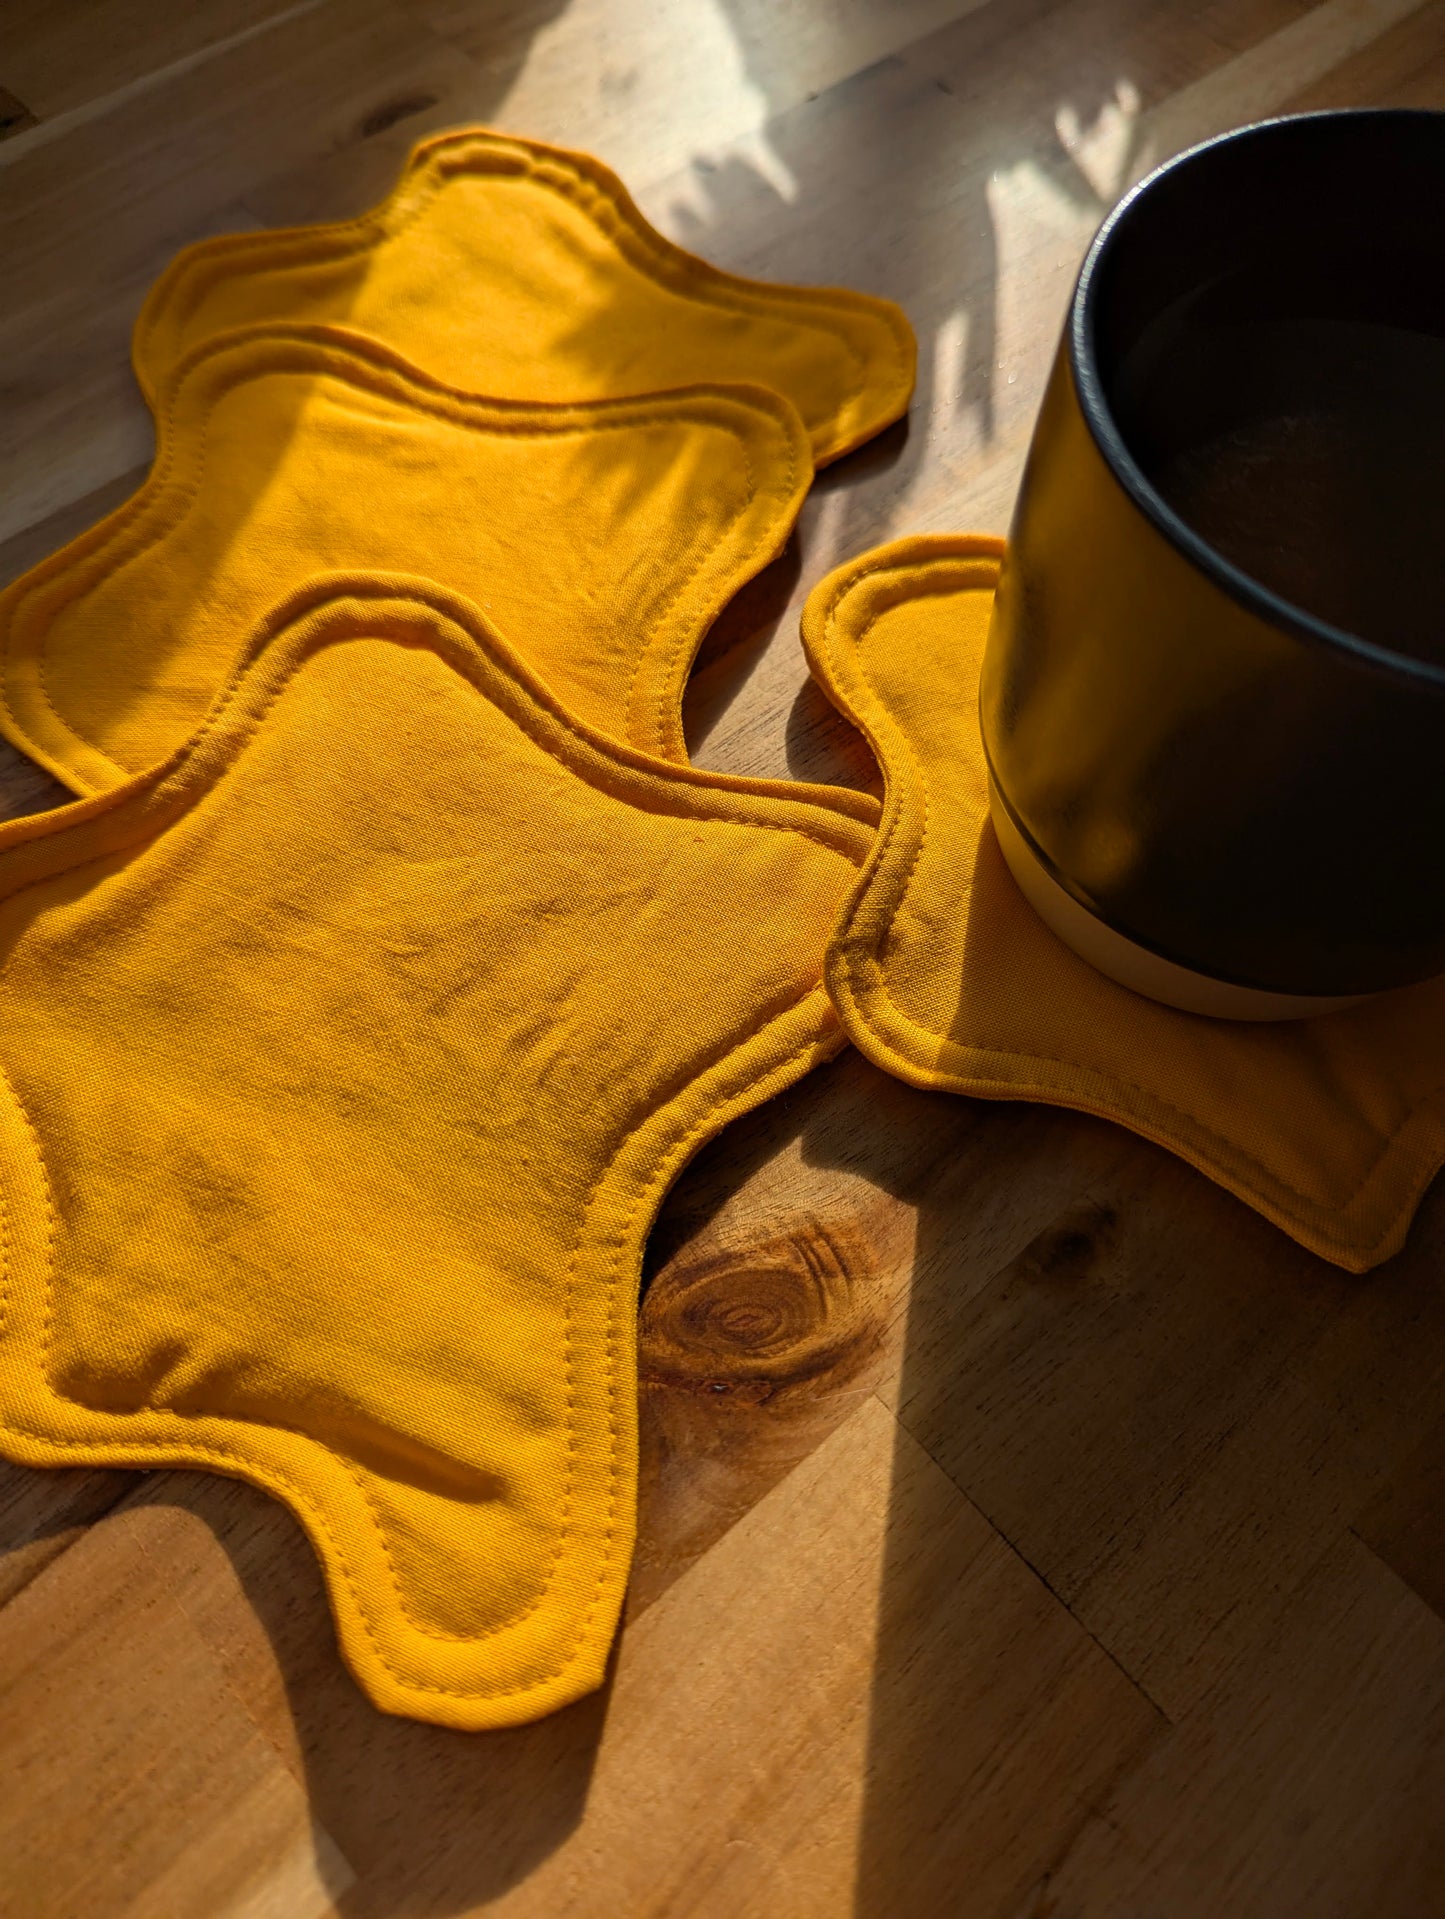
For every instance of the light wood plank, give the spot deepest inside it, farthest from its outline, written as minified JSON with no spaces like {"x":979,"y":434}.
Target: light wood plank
{"x":726,"y":1771}
{"x":131,"y":1781}
{"x":660,"y":88}
{"x":395,"y":1796}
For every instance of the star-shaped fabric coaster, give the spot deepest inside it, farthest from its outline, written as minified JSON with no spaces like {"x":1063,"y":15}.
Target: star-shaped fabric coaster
{"x":347,"y":1058}
{"x":602,"y":539}
{"x":511,"y":268}
{"x":945,"y":976}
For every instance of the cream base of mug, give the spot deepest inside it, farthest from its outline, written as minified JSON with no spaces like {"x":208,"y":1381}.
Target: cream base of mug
{"x":1132,"y":965}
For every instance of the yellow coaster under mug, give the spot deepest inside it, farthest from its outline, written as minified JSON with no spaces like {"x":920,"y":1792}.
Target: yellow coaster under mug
{"x":944,"y":975}
{"x":601,"y":539}
{"x":508,"y":267}
{"x":346,"y":1059}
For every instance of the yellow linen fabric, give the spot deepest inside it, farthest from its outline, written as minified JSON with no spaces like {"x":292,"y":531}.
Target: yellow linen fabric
{"x":945,"y":976}
{"x":346,"y":1058}
{"x":524,"y":271}
{"x":605,"y":537}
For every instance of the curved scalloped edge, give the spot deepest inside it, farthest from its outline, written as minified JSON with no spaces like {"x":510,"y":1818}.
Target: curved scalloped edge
{"x":874,"y":331}
{"x":771,"y":439}
{"x":1364,"y":1225}
{"x":550,"y":1661}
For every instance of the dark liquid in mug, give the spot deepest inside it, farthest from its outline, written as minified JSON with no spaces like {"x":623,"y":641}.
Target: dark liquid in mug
{"x":1309,"y":451}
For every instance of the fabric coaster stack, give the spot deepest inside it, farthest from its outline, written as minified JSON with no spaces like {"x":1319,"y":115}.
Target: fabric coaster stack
{"x":357,"y":1016}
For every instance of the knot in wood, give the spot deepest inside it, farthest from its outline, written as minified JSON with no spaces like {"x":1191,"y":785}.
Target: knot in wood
{"x":793,"y":1308}
{"x":1072,"y":1246}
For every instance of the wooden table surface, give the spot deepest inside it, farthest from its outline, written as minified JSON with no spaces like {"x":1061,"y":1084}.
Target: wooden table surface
{"x":1028,"y":1529}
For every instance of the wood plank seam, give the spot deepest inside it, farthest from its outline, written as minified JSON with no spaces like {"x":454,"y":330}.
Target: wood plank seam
{"x":42,"y":132}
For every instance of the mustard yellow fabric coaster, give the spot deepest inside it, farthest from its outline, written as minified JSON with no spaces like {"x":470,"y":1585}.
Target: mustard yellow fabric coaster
{"x":603,"y":537}
{"x":943,"y":975}
{"x":524,"y":271}
{"x":347,"y":1058}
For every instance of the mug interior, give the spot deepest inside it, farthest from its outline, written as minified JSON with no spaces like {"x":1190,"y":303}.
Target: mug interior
{"x":1262,"y":329}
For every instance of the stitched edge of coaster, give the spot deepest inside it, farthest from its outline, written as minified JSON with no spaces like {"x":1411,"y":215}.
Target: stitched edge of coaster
{"x":31,"y":720}
{"x":1365,"y":1226}
{"x":599,"y":194}
{"x":651,"y":1150}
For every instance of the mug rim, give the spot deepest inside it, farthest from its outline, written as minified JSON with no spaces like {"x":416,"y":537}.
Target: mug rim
{"x":1098,"y":415}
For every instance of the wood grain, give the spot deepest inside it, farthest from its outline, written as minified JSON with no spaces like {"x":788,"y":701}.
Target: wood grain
{"x":1311,"y":1786}
{"x":1402,"y":1521}
{"x":1256,"y":1400}
{"x":128,"y":1796}
{"x":43,"y":1513}
{"x":725,"y":1770}
{"x":63,"y":59}
{"x":93,"y":235}
{"x":1028,"y":1530}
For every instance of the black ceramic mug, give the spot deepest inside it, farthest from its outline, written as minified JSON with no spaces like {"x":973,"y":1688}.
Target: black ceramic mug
{"x":1213,"y":698}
